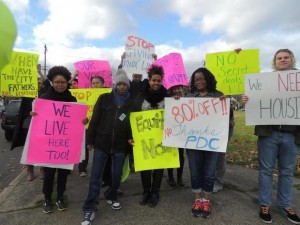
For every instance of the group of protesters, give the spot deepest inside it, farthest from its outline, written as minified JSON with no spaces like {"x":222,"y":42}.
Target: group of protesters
{"x":109,"y":135}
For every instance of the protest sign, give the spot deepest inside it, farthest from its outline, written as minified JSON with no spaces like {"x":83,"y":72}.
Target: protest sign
{"x":138,"y":55}
{"x":273,"y":98}
{"x":229,"y":69}
{"x":19,"y":77}
{"x":147,"y":129}
{"x":57,"y":132}
{"x":93,"y":68}
{"x":197,"y":123}
{"x":90,"y":97}
{"x":174,"y":72}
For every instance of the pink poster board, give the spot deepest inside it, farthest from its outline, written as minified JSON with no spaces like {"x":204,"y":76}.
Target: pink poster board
{"x":174,"y":70}
{"x":92,"y":68}
{"x":57,"y":132}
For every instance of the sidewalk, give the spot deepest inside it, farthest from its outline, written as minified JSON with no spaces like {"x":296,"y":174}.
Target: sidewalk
{"x":236,"y":204}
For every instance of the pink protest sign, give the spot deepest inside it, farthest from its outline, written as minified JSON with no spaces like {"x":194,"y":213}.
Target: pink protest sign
{"x":92,"y":68}
{"x":174,"y":70}
{"x":57,"y":132}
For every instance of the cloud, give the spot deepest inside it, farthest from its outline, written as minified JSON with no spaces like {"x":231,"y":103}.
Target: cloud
{"x":88,"y":19}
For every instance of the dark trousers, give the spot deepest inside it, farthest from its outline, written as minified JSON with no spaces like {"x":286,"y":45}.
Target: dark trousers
{"x":49,"y":174}
{"x":180,"y":169}
{"x":83,"y":165}
{"x":151,"y":180}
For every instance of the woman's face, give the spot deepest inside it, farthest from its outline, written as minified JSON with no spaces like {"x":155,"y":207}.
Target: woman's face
{"x":96,"y":83}
{"x":200,"y":82}
{"x":283,"y":61}
{"x":155,"y":82}
{"x":177,"y":90}
{"x":60,"y":83}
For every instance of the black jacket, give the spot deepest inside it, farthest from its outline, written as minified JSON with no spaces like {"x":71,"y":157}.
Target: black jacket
{"x":109,"y":128}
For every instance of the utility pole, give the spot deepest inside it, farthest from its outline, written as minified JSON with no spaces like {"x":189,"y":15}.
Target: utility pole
{"x":45,"y":60}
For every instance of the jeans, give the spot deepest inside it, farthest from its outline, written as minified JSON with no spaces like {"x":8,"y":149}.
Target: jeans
{"x":221,"y":163}
{"x":99,"y":161}
{"x":281,"y":147}
{"x":202,"y":167}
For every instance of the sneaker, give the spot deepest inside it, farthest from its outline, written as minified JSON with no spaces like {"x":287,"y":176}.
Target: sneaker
{"x":48,"y":206}
{"x":197,"y":208}
{"x":154,"y":199}
{"x":264,"y":214}
{"x":88,"y":218}
{"x":290,"y":214}
{"x":61,"y":204}
{"x":217,"y":187}
{"x":206,"y":210}
{"x":83,"y":174}
{"x":114,"y":204}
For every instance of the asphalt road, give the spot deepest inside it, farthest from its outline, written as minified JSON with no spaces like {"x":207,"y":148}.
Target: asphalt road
{"x":10,"y":166}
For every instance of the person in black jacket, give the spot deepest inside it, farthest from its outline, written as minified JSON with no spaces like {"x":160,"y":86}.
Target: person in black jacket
{"x":59,"y":76}
{"x":108,"y":134}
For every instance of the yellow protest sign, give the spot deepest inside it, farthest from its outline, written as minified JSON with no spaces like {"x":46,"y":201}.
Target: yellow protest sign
{"x":89,"y":96}
{"x":147,"y":129}
{"x":19,"y":77}
{"x":229,"y":69}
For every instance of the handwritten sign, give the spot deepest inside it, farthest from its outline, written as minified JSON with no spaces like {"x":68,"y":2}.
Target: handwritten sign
{"x":197,"y":123}
{"x":273,"y":98}
{"x":57,"y":131}
{"x":148,"y":151}
{"x":19,"y":77}
{"x":174,"y":70}
{"x":92,"y":68}
{"x":89,"y":96}
{"x":138,"y":55}
{"x":229,"y":69}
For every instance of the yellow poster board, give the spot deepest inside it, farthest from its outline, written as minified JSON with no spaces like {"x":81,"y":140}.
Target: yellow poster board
{"x":229,"y":69}
{"x":147,"y":129}
{"x":89,"y":96}
{"x":19,"y":77}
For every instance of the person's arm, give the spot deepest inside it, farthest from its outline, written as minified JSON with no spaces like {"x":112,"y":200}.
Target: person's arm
{"x":39,"y":69}
{"x":122,"y":59}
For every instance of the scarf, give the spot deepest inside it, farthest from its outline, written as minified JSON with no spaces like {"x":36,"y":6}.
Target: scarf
{"x":154,"y":97}
{"x":120,"y":100}
{"x":65,"y":96}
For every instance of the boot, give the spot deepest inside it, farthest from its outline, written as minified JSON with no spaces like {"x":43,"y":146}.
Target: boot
{"x":154,"y":199}
{"x":145,"y":197}
{"x":180,"y":182}
{"x":171,"y":180}
{"x":30,"y":173}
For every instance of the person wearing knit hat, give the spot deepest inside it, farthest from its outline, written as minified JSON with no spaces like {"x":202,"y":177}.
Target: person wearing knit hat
{"x":109,"y":134}
{"x":121,"y":77}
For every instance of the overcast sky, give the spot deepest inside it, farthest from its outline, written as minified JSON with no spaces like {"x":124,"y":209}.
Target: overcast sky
{"x":96,"y":29}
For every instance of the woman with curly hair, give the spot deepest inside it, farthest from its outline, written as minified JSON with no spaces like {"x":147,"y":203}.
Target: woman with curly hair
{"x":152,"y":97}
{"x":202,"y":163}
{"x":59,"y":76}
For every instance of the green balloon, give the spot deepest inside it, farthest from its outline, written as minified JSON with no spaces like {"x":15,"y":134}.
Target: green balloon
{"x":8,"y":34}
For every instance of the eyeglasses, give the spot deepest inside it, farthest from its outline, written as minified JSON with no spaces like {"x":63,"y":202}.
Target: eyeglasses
{"x":60,"y":82}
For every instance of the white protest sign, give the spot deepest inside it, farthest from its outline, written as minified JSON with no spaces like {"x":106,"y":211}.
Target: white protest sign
{"x":273,"y":98}
{"x":197,"y":123}
{"x":138,"y":55}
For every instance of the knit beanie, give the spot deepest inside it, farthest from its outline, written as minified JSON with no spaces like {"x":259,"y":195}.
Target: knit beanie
{"x":121,"y":77}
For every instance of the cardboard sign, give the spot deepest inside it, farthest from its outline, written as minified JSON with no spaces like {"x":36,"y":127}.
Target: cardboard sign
{"x":230,"y":68}
{"x":273,"y":98}
{"x":197,"y":123}
{"x":148,"y":151}
{"x":19,"y":77}
{"x":92,"y":68}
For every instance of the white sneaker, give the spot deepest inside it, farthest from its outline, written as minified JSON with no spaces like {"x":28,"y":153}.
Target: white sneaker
{"x":88,"y":217}
{"x":217,"y":188}
{"x":114,"y":204}
{"x":83,"y":174}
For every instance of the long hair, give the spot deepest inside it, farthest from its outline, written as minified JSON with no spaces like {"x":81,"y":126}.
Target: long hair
{"x":210,"y":79}
{"x":287,"y":51}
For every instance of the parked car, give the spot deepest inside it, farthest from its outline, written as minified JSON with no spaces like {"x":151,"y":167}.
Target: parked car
{"x":10,"y":117}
